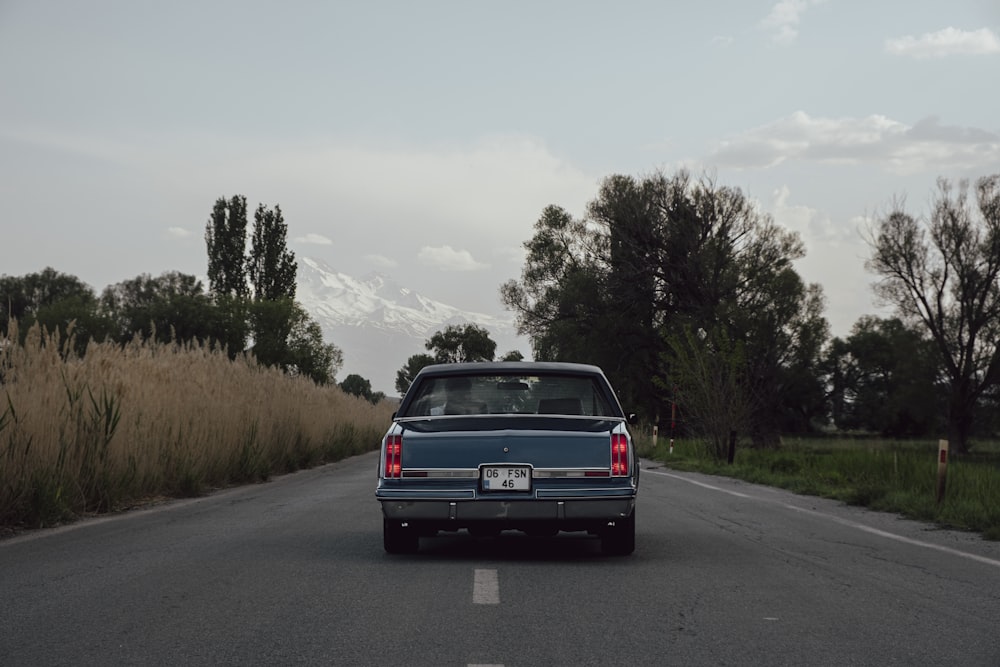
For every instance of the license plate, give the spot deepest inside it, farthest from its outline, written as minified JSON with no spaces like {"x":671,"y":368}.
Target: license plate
{"x":506,"y":478}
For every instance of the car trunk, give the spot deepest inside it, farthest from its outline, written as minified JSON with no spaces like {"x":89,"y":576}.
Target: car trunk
{"x":461,"y":449}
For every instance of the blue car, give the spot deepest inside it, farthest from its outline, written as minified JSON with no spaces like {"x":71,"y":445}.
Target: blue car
{"x":489,"y":447}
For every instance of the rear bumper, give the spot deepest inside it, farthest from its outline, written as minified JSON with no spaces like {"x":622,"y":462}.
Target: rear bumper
{"x":461,"y":511}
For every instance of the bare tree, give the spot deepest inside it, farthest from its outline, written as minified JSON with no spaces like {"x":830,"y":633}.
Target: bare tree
{"x":945,"y":274}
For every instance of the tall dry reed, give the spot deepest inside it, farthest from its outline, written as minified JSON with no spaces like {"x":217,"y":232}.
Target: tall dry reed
{"x":119,"y":425}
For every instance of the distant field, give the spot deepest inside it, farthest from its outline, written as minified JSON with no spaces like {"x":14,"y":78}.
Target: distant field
{"x":886,"y":475}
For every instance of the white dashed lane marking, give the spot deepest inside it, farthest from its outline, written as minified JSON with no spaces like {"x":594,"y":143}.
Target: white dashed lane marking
{"x":486,"y":587}
{"x":485,"y":590}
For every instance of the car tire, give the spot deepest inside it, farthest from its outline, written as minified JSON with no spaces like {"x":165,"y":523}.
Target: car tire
{"x":619,"y":540}
{"x":397,"y":539}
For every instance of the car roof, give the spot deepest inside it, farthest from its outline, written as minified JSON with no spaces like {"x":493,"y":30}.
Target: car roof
{"x":510,"y":367}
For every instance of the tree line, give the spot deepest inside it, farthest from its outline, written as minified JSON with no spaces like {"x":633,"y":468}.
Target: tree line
{"x":686,"y":294}
{"x":249,"y":306}
{"x":681,"y":289}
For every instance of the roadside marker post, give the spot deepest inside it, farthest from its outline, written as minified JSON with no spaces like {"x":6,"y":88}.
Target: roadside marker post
{"x":673,"y":422}
{"x":942,"y":476}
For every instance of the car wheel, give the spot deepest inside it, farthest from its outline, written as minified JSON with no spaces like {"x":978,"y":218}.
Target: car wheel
{"x":397,"y":539}
{"x":619,"y":540}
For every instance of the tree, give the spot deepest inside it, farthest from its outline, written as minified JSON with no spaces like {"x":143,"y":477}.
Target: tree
{"x":804,"y":407}
{"x":711,"y":368}
{"x":283,"y":335}
{"x":23,"y":297}
{"x":76,"y":315}
{"x":271,"y":266}
{"x":883,"y":378}
{"x":725,"y":269}
{"x":225,"y":240}
{"x":988,"y":416}
{"x":554,"y":255}
{"x":225,"y":237}
{"x":271,"y":269}
{"x":468,"y":342}
{"x":306,"y":353}
{"x":405,"y":375}
{"x":945,"y":274}
{"x":627,"y":214}
{"x":663,"y":263}
{"x":271,"y":321}
{"x":356,"y":385}
{"x":55,"y":301}
{"x":561,"y":300}
{"x":173,"y":306}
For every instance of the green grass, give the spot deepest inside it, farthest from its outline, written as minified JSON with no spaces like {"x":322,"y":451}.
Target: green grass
{"x":889,"y":476}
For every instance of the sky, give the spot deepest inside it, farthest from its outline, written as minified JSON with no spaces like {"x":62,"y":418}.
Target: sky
{"x":422,"y":140}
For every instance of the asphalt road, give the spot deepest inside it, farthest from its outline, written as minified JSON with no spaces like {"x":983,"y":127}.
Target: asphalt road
{"x":293,"y":572}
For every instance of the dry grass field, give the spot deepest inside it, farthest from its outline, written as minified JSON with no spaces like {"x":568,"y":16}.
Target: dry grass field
{"x":119,"y":426}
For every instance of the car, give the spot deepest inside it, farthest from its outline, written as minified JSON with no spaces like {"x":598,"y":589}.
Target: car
{"x":486,"y":447}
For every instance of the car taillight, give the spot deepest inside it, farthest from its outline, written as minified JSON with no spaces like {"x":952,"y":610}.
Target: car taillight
{"x":393,"y":456}
{"x":619,"y":455}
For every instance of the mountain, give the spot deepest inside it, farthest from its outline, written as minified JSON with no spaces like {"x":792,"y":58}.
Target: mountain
{"x":379,"y":324}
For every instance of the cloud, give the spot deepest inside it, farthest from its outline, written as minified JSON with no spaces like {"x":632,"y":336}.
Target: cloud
{"x":313,"y":239}
{"x":381,"y":261}
{"x":947,"y":42}
{"x":873,"y":139}
{"x":784,"y":19}
{"x":179,"y":233}
{"x":447,"y":258}
{"x":814,"y":227}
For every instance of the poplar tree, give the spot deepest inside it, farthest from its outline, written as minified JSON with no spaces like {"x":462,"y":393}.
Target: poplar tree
{"x":271,"y":265}
{"x":225,"y":238}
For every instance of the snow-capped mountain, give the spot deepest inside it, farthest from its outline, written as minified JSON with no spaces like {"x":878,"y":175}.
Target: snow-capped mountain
{"x":379,"y":324}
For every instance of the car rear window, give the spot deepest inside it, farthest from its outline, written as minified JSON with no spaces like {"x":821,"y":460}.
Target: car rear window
{"x":522,"y":394}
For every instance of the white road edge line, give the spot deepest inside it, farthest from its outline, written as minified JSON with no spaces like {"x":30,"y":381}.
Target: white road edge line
{"x":844,"y":522}
{"x":486,"y":587}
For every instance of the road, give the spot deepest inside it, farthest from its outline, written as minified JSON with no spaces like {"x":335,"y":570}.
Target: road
{"x":292,"y":572}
